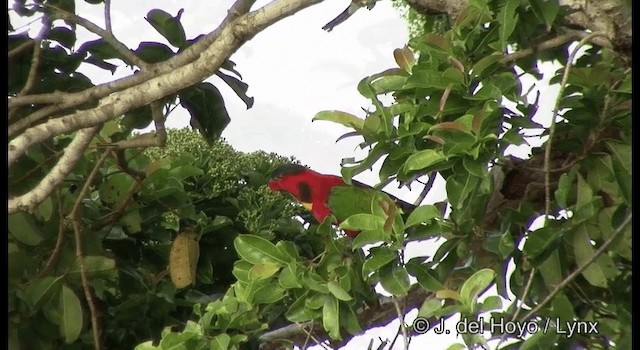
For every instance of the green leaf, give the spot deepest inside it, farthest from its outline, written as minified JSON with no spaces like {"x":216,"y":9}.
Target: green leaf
{"x":70,"y":315}
{"x":331,"y":317}
{"x":41,"y":290}
{"x":508,"y":18}
{"x":421,"y":214}
{"x":492,"y":302}
{"x":429,"y":307}
{"x":138,"y":118}
{"x":599,"y":271}
{"x":349,"y":320}
{"x":65,"y":36}
{"x":368,"y":237}
{"x":115,"y":189}
{"x":395,"y":280}
{"x":564,"y":187}
{"x":347,"y":119}
{"x":152,"y":52}
{"x":539,"y":240}
{"x":207,"y":109}
{"x":427,"y":278}
{"x":475,"y":285}
{"x":423,"y":159}
{"x":288,"y":279}
{"x":268,"y":294}
{"x":506,"y":245}
{"x":263,"y":270}
{"x":485,"y":62}
{"x":24,"y":228}
{"x":168,"y":26}
{"x":298,"y":312}
{"x":220,"y":342}
{"x":363,"y":222}
{"x":96,"y":267}
{"x":459,"y":188}
{"x":258,"y":250}
{"x":545,"y":10}
{"x":621,"y":157}
{"x":379,"y":257}
{"x":338,"y":292}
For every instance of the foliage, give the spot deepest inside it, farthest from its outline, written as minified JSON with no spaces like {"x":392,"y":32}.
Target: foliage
{"x":189,"y":186}
{"x":197,"y":214}
{"x":456,"y":109}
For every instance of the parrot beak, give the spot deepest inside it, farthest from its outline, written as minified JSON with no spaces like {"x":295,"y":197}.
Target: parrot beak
{"x":307,"y":206}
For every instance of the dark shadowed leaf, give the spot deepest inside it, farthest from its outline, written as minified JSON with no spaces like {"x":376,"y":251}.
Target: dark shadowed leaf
{"x":168,"y":26}
{"x":208,"y":112}
{"x":239,"y":87}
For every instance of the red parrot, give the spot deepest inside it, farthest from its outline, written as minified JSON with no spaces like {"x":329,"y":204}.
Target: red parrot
{"x":313,"y":190}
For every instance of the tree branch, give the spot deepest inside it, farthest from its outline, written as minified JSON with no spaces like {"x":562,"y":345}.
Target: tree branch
{"x":579,"y":270}
{"x":74,"y":216}
{"x":50,"y":182}
{"x":107,"y":35}
{"x":118,"y":103}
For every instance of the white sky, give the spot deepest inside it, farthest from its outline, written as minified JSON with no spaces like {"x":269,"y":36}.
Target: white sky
{"x":294,"y":70}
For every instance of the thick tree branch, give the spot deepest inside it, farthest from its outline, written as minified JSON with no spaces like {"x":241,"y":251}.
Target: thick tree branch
{"x":73,"y":153}
{"x":611,"y":17}
{"x":118,"y":103}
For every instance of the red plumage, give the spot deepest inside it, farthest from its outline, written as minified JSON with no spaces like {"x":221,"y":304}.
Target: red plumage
{"x":308,"y":186}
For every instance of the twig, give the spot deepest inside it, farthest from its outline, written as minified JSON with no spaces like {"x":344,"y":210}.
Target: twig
{"x":159,"y":139}
{"x":107,"y":35}
{"x":74,"y":217}
{"x":20,"y":49}
{"x":550,"y":44}
{"x":309,"y":335}
{"x":60,"y":241}
{"x":403,"y":326}
{"x":395,"y":338}
{"x":526,"y":290}
{"x":73,"y":153}
{"x":547,"y":151}
{"x":579,"y":270}
{"x":425,"y":190}
{"x":107,"y":16}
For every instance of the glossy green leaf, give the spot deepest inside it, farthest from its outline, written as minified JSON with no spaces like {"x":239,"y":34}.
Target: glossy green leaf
{"x":379,"y":257}
{"x":422,"y":214}
{"x":395,"y":280}
{"x":475,"y":285}
{"x":347,"y":119}
{"x":338,"y":292}
{"x":70,"y":315}
{"x":426,"y":277}
{"x":539,"y":240}
{"x":288,"y":279}
{"x":368,"y":237}
{"x":220,"y":342}
{"x":331,"y":317}
{"x":363,"y":222}
{"x":508,"y":19}
{"x":602,"y":269}
{"x":258,"y":250}
{"x":263,"y":270}
{"x":268,"y":294}
{"x":423,"y":159}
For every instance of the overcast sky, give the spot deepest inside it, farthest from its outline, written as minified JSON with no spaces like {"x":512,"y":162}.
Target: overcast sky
{"x":294,"y":70}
